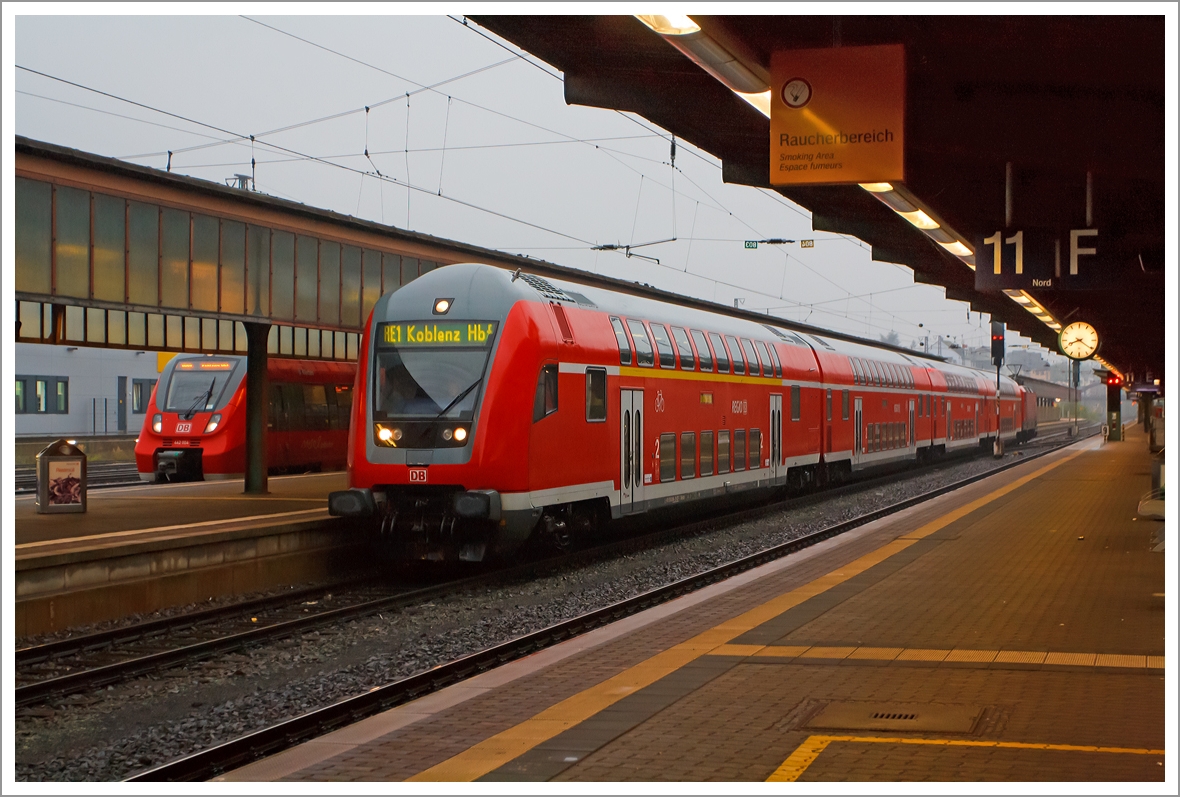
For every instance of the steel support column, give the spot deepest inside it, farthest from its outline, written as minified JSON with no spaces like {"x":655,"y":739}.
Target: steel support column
{"x":257,"y":394}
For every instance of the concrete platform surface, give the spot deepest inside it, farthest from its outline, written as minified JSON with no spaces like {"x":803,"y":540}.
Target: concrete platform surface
{"x":1010,"y":631}
{"x":143,"y":508}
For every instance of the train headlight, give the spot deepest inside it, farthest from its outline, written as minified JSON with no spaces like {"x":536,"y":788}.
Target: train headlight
{"x":460,"y":434}
{"x":447,"y":434}
{"x":157,"y":423}
{"x":387,"y":435}
{"x":214,"y":422}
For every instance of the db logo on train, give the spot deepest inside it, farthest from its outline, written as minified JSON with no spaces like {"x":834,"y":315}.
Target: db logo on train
{"x":417,"y":475}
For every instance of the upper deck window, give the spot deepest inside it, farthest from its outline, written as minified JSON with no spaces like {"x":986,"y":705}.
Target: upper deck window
{"x":764,"y":358}
{"x":684,"y":349}
{"x":663,"y":345}
{"x":720,"y":353}
{"x":751,"y":357}
{"x":735,"y":352}
{"x":645,"y":355}
{"x":706,"y":356}
{"x":621,"y":339}
{"x":778,"y":368}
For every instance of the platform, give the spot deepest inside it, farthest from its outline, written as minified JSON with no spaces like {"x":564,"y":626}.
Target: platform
{"x":142,"y":548}
{"x":1010,"y":631}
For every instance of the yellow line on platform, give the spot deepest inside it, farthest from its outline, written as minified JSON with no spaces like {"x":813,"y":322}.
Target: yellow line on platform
{"x":805,"y":754}
{"x":497,"y":750}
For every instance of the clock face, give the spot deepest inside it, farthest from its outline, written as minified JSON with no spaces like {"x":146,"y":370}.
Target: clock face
{"x":1079,"y":341}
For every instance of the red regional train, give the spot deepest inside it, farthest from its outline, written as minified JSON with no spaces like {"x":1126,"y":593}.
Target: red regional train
{"x":500,"y":405}
{"x":196,"y":419}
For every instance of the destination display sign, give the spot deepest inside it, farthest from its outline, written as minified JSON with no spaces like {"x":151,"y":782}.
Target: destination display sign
{"x":837,"y":115}
{"x":434,"y":333}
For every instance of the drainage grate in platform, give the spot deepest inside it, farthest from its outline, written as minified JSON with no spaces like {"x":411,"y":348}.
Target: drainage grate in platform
{"x":947,"y":718}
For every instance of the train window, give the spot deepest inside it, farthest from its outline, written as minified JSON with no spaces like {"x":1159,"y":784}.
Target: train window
{"x":684,"y":348}
{"x":870,"y":374}
{"x":315,"y":408}
{"x":723,"y":459}
{"x":764,"y":358}
{"x":739,"y":449}
{"x":276,"y":417}
{"x":735,"y":354}
{"x":876,"y":437}
{"x":595,"y":394}
{"x":855,"y":370}
{"x":663,"y":345}
{"x":891,"y":373}
{"x":545,"y":399}
{"x":293,"y":404}
{"x":796,"y":401}
{"x":644,"y":354}
{"x":343,"y":405}
{"x":667,"y":457}
{"x":829,"y":404}
{"x":878,"y":373}
{"x":706,"y":453}
{"x":688,"y":455}
{"x":702,"y":350}
{"x":751,"y":357}
{"x":845,"y":405}
{"x":755,"y":448}
{"x":720,"y":353}
{"x":778,"y":368}
{"x":621,"y":339}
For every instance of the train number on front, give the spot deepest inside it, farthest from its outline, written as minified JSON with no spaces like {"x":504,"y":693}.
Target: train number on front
{"x":417,"y":475}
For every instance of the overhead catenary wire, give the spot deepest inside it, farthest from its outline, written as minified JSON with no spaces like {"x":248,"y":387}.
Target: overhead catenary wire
{"x":313,"y":158}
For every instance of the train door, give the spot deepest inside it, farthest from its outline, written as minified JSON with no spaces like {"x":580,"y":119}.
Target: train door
{"x":858,"y":440}
{"x":911,"y":430}
{"x":631,"y":451}
{"x":776,"y":436}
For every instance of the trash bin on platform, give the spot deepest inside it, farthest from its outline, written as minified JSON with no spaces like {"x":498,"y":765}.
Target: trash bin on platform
{"x":61,"y":478}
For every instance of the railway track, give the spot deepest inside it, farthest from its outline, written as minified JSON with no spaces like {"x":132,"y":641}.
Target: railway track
{"x":268,"y":741}
{"x":94,"y":661}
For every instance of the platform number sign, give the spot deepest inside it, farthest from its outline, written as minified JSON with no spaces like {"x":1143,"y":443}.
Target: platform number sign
{"x":1039,"y":259}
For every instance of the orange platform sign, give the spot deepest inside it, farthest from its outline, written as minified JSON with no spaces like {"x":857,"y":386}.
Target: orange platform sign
{"x":837,"y":115}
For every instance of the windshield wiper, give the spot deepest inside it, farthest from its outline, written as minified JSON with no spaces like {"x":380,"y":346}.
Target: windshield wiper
{"x":201,"y":399}
{"x":459,"y":398}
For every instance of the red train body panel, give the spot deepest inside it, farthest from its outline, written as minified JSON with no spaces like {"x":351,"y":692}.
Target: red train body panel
{"x":582,"y":404}
{"x":195,"y":424}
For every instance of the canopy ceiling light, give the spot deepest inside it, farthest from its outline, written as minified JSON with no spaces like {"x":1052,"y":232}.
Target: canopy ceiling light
{"x":906,"y":205}
{"x":703,"y":50}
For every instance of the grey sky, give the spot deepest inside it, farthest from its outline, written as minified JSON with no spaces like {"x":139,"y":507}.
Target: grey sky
{"x":563,"y":178}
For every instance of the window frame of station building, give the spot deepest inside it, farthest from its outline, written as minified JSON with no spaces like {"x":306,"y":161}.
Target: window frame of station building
{"x":147,"y":272}
{"x":57,"y":400}
{"x":141,"y":395}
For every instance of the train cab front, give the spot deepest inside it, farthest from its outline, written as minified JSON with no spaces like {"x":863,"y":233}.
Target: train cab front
{"x":189,"y":433}
{"x":419,"y":459}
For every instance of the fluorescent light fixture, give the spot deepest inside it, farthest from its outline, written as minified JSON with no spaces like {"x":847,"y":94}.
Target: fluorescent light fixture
{"x":919,"y":219}
{"x":760,"y":101}
{"x":670,"y":24}
{"x":956,"y":248}
{"x":707,"y":53}
{"x":876,"y":188}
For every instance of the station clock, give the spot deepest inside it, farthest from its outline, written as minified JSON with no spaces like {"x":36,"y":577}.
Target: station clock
{"x":1079,"y":341}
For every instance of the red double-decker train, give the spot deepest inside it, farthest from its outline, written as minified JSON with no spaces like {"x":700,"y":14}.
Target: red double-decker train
{"x":195,"y":426}
{"x":498,"y":405}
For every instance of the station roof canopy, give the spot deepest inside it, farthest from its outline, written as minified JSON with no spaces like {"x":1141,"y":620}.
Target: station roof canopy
{"x":1057,"y":97}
